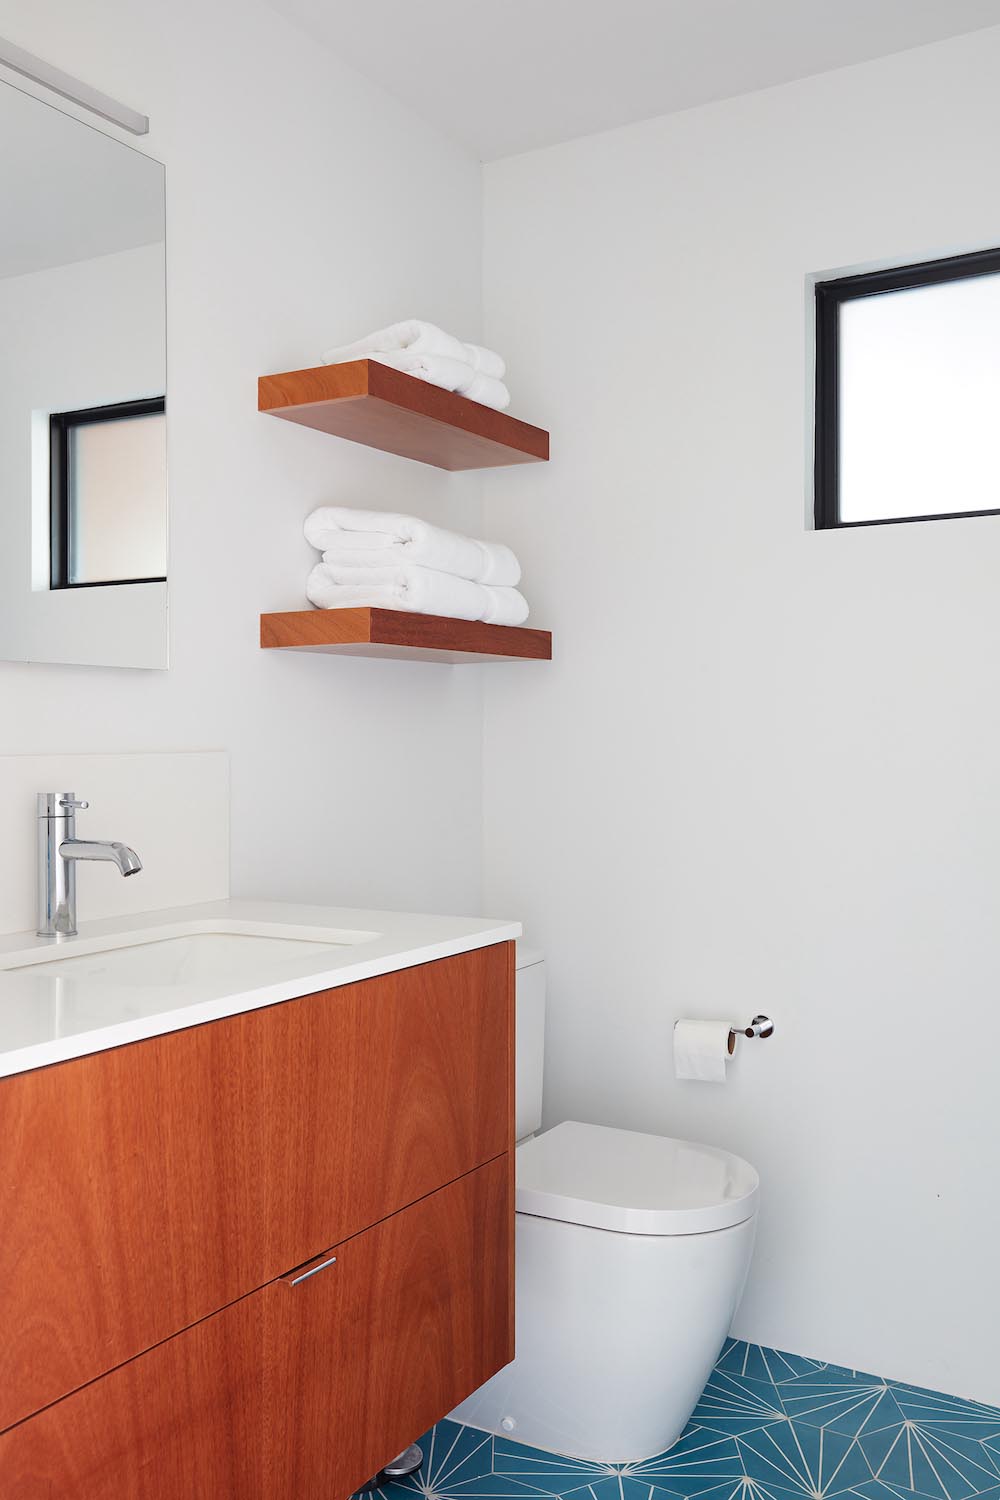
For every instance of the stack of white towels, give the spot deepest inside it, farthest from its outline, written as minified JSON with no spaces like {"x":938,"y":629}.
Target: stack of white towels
{"x":424,"y":350}
{"x":388,"y":561}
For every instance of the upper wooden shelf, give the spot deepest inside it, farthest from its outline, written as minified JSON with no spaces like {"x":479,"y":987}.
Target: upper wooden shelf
{"x":399,"y":633}
{"x":373,"y":404}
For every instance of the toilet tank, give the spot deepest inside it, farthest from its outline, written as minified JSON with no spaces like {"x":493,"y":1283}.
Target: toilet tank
{"x":530,"y":1049}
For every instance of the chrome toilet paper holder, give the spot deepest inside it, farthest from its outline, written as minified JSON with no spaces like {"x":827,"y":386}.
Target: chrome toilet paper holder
{"x":761,"y":1026}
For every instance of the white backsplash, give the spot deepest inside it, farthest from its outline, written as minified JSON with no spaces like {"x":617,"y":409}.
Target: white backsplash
{"x":173,"y":809}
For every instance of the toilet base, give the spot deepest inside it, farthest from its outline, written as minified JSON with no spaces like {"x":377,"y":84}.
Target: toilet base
{"x":616,"y":1336}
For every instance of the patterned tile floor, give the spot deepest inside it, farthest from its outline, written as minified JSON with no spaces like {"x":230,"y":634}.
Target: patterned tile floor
{"x":769,"y":1426}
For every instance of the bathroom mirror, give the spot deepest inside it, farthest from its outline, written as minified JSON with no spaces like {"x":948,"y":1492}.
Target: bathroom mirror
{"x":83,"y":481}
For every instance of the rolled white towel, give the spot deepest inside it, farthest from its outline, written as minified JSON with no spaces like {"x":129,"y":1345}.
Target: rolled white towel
{"x":377,"y":539}
{"x":451,"y":374}
{"x":423,"y":591}
{"x":419,"y":337}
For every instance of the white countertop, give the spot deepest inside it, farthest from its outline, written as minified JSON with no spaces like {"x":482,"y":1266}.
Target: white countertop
{"x":49,"y":1014}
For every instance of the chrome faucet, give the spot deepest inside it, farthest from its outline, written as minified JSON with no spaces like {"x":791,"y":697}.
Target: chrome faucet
{"x":58,"y":851}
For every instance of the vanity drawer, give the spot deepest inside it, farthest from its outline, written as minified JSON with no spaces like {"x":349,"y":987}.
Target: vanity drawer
{"x":413,"y":1316}
{"x":144,"y":1188}
{"x":185,"y":1420}
{"x":304,"y":1389}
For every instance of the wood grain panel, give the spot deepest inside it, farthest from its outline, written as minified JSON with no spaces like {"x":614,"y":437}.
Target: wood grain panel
{"x":414,"y":1315}
{"x":142,"y":1189}
{"x":402,"y":635}
{"x":185,"y":1420}
{"x":383,"y":408}
{"x":299,"y":1391}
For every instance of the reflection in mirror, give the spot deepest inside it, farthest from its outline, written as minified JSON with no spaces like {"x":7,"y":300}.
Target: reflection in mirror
{"x":108,"y":481}
{"x":83,"y":490}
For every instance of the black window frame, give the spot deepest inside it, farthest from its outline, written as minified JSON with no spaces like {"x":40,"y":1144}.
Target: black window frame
{"x":61,"y":427}
{"x":830,"y":295}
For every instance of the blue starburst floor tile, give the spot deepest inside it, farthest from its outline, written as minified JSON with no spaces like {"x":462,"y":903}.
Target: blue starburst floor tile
{"x":737,"y":1403}
{"x":808,"y":1460}
{"x":753,"y":1360}
{"x":696,"y":1464}
{"x":932,"y":1409}
{"x":920,"y":1459}
{"x":838,"y":1404}
{"x":768,"y":1426}
{"x":547,"y":1473}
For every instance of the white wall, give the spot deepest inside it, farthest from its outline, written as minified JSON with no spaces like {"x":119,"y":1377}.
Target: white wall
{"x":762,"y":772}
{"x":303,"y":207}
{"x":86,"y":334}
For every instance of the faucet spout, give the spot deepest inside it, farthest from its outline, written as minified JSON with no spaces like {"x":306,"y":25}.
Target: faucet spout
{"x":126,"y":859}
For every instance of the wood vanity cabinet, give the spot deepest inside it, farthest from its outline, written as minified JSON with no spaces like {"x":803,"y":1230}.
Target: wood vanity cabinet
{"x":257,"y":1257}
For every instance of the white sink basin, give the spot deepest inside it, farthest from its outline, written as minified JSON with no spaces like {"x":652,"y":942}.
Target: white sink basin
{"x":125,"y":978}
{"x":162,"y":949}
{"x":238,"y":960}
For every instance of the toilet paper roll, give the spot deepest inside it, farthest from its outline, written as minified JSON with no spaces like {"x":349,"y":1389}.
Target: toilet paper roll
{"x":702,"y":1049}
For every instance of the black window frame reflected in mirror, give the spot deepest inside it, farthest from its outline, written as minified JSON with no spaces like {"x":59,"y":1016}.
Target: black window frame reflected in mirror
{"x":61,"y":427}
{"x":830,"y":295}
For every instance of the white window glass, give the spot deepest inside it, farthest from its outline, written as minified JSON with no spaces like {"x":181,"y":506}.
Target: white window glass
{"x":919,"y":393}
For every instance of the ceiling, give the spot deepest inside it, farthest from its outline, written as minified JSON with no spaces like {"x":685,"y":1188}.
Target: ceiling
{"x":504,"y":76}
{"x":69,"y":192}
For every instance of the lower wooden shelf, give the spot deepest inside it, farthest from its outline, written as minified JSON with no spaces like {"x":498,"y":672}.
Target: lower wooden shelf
{"x":402,"y":635}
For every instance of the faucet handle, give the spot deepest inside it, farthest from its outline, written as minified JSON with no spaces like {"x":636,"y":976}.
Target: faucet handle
{"x":58,"y":804}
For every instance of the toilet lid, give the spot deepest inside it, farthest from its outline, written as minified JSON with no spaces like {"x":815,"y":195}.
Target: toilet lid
{"x":636,"y":1184}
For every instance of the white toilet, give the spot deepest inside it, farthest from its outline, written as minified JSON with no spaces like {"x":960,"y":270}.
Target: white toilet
{"x":632,"y":1252}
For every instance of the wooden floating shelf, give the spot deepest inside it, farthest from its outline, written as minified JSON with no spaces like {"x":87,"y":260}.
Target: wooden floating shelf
{"x":402,"y":635}
{"x":373,"y":404}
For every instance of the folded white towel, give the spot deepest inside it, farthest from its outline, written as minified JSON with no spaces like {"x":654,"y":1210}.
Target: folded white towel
{"x":419,"y":338}
{"x":424,"y":591}
{"x":380,"y":539}
{"x":487,"y":390}
{"x":451,"y":375}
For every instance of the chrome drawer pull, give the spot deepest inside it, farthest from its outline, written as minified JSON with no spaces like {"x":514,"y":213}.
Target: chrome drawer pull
{"x":306,"y":1274}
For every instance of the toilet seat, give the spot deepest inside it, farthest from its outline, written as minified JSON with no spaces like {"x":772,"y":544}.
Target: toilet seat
{"x":632,"y":1183}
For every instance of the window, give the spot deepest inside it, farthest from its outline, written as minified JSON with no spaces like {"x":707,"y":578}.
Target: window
{"x":108,"y":488}
{"x":907,"y":393}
